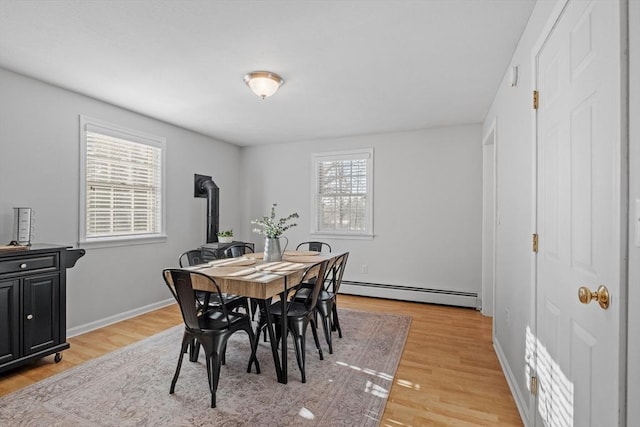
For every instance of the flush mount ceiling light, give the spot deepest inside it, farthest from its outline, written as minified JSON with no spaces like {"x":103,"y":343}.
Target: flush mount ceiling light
{"x":263,"y":83}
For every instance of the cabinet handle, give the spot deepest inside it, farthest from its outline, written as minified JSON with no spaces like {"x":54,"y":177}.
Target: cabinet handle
{"x":29,"y":316}
{"x":23,"y":265}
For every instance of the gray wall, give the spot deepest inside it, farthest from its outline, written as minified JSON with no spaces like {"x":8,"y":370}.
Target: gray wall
{"x":39,"y":167}
{"x":427,"y":199}
{"x":513,"y":298}
{"x":427,"y":204}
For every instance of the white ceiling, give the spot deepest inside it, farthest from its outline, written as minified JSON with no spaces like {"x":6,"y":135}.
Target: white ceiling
{"x":350,"y":67}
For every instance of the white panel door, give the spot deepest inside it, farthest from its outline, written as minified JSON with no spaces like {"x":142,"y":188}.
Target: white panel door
{"x":579,"y":213}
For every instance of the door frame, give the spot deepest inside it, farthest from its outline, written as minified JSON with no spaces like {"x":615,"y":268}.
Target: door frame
{"x":489,"y":289}
{"x":625,"y":230}
{"x":633,"y":316}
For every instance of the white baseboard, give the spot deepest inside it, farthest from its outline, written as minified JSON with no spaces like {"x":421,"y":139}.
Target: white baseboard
{"x":78,"y":330}
{"x":521,"y":403}
{"x":406,"y":293}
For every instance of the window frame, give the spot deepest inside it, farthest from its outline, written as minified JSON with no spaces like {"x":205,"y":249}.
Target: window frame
{"x":316,"y":159}
{"x":89,"y":124}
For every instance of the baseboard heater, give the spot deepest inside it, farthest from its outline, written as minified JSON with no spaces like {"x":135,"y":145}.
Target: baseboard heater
{"x":410,"y":293}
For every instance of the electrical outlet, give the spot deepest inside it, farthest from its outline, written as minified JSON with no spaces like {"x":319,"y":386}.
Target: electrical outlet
{"x":364,"y":269}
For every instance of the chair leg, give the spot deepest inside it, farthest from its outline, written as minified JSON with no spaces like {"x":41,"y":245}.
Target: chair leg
{"x":254,"y":308}
{"x":278,"y":331}
{"x":185,"y":345}
{"x":215,"y":377}
{"x":299,"y":340}
{"x":326,"y":326}
{"x":194,"y":350}
{"x":336,"y":322}
{"x":254,"y":345}
{"x":314,"y":330}
{"x":214,"y":362}
{"x":247,"y":307}
{"x":213,"y":373}
{"x":298,"y":330}
{"x":208,"y":360}
{"x":261,"y":320}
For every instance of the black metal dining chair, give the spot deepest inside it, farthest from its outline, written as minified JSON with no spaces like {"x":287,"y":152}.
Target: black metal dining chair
{"x":315,"y":246}
{"x":237,"y":249}
{"x":211,"y":329}
{"x":195,"y":257}
{"x":204,"y":299}
{"x":299,"y":313}
{"x":326,"y":306}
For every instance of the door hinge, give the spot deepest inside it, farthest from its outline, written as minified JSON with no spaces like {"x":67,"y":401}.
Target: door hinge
{"x":535,"y":99}
{"x":534,"y":386}
{"x":535,"y":243}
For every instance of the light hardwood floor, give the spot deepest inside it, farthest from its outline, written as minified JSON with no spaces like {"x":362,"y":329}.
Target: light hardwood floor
{"x":449,"y":374}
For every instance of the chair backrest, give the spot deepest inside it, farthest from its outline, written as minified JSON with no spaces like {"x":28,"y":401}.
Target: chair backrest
{"x":208,"y":255}
{"x":191,"y":257}
{"x":315,"y":246}
{"x":195,"y":257}
{"x":180,"y":282}
{"x":328,"y":272}
{"x":315,"y":271}
{"x":337,"y":271}
{"x":237,"y":249}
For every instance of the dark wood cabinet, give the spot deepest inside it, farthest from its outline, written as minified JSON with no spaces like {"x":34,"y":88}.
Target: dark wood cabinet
{"x":33,"y":303}
{"x":40,"y":295}
{"x":9,"y":321}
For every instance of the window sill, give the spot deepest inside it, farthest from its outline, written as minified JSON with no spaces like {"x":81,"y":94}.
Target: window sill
{"x":112,"y":242}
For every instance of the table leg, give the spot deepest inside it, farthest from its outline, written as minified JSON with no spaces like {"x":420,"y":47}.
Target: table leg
{"x":284,"y":331}
{"x":264,"y":311}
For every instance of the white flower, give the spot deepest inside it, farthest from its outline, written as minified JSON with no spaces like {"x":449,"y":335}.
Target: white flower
{"x":270,"y":227}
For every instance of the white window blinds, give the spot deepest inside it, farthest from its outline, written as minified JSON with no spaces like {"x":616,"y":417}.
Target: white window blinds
{"x":122,"y":184}
{"x":342,"y":193}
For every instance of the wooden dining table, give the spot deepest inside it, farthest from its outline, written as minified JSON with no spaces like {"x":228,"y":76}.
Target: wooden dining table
{"x":250,"y":276}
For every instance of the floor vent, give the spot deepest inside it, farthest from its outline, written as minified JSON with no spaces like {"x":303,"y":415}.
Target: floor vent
{"x":409,"y":293}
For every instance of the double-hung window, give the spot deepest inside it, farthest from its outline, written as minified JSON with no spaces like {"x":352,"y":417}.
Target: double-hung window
{"x":343,"y":193}
{"x":121,"y":185}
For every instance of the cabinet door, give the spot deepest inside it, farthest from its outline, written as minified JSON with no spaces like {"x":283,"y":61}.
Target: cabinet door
{"x":41,"y":314}
{"x":9,"y":321}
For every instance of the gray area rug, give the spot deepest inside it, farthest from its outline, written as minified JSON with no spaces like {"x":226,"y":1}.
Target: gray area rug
{"x":130,"y":387}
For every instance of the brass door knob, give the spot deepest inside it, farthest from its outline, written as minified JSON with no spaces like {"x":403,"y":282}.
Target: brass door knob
{"x":585,"y":295}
